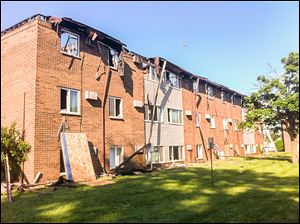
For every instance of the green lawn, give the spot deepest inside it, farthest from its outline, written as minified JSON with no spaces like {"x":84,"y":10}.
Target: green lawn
{"x":264,"y":189}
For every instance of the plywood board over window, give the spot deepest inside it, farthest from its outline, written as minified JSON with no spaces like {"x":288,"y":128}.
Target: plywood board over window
{"x":80,"y":157}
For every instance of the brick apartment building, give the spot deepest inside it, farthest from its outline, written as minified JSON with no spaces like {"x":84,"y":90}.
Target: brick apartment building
{"x":56,"y":69}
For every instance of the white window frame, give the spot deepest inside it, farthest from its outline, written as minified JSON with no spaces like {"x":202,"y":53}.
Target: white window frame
{"x":235,"y":125}
{"x":159,"y":111}
{"x":68,"y":102}
{"x":195,"y":87}
{"x":78,"y":43}
{"x":225,"y":123}
{"x":156,"y":148}
{"x":182,"y":153}
{"x":223,"y":96}
{"x":169,"y":83}
{"x":121,"y":107}
{"x":169,"y":115}
{"x":197,"y":119}
{"x":212,"y":121}
{"x":115,"y":149}
{"x":199,"y":147}
{"x":213,"y":94}
{"x":151,"y":73}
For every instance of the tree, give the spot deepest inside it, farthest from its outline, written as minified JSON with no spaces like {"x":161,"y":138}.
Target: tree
{"x":276,"y":102}
{"x":14,"y":150}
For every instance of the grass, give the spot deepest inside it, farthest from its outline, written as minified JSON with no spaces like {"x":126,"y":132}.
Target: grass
{"x":255,"y":189}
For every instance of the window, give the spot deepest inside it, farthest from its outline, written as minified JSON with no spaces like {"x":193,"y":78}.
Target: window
{"x":199,"y":152}
{"x":116,"y":156}
{"x":250,"y":148}
{"x":235,"y":123}
{"x":212,"y":121}
{"x":156,"y":154}
{"x":176,"y":153}
{"x":210,"y":92}
{"x":113,"y":58}
{"x":149,"y":112}
{"x":115,"y":107}
{"x":174,"y":116}
{"x":69,"y":101}
{"x":197,"y":119}
{"x":152,"y":74}
{"x":195,"y":87}
{"x":225,"y":123}
{"x":172,"y":79}
{"x":69,"y":43}
{"x":223,"y":96}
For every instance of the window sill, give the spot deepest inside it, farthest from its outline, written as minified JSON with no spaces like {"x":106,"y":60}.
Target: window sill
{"x":210,"y":98}
{"x":175,"y":124}
{"x":213,"y":128}
{"x":69,"y":113}
{"x":116,"y":118}
{"x":199,"y":158}
{"x":158,"y":122}
{"x":70,"y":55}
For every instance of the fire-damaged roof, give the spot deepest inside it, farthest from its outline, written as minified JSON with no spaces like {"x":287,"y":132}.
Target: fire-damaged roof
{"x":180,"y":71}
{"x":85,"y":30}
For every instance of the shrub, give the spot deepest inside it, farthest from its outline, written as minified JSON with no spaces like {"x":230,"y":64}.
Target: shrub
{"x":279,"y":145}
{"x":17,"y":149}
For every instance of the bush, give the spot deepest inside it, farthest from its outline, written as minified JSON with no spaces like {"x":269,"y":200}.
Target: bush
{"x":16,"y":148}
{"x":279,"y":145}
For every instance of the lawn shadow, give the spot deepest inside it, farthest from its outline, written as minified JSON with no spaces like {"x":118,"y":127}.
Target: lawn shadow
{"x":176,"y":195}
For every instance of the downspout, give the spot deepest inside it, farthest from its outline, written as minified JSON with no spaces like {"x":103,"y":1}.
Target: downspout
{"x":105,"y":93}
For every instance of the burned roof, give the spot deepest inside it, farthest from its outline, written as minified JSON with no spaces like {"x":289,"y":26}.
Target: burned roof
{"x":105,"y":38}
{"x":71,"y":24}
{"x":180,"y":71}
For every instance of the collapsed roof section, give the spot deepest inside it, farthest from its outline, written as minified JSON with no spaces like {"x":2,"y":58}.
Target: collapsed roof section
{"x":97,"y":35}
{"x":183,"y":73}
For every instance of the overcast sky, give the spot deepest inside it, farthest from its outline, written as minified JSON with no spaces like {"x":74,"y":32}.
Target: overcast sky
{"x":228,"y":42}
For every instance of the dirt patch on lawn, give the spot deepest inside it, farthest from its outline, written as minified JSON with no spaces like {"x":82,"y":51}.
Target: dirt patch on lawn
{"x":98,"y":182}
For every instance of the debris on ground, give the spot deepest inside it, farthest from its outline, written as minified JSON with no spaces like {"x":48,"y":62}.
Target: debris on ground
{"x":99,"y":182}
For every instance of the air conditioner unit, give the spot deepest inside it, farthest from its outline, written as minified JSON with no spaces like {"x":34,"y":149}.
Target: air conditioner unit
{"x":137,"y":103}
{"x":189,"y":147}
{"x":188,"y":113}
{"x":231,"y":146}
{"x":90,"y":95}
{"x":207,"y":116}
{"x":229,"y":120}
{"x":242,"y":145}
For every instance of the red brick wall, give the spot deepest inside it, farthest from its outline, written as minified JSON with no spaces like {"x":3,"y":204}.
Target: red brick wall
{"x":18,"y":72}
{"x":214,"y":107}
{"x":55,"y":70}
